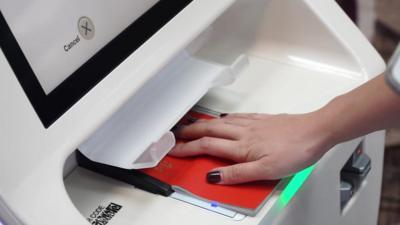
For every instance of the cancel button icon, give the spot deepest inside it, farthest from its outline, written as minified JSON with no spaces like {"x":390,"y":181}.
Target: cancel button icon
{"x":86,"y":28}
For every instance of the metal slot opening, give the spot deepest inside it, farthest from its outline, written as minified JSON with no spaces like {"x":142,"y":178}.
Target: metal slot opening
{"x":353,"y":174}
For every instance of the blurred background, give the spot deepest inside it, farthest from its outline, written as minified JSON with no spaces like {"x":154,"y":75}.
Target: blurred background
{"x":379,"y":20}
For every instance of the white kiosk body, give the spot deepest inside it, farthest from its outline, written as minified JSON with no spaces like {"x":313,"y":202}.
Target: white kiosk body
{"x":115,"y":94}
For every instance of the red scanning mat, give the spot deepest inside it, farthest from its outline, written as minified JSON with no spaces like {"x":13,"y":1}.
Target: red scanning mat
{"x":190,"y":174}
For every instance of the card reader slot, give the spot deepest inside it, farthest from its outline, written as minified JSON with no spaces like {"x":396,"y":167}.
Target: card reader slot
{"x":353,"y":174}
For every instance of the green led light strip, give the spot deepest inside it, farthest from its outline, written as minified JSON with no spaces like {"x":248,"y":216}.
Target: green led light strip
{"x":294,"y":185}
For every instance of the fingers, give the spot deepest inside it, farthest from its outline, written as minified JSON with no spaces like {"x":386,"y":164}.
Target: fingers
{"x":217,"y":147}
{"x":243,"y":120}
{"x":213,"y":128}
{"x":236,"y":121}
{"x":251,"y":116}
{"x":239,"y":173}
{"x":228,"y":127}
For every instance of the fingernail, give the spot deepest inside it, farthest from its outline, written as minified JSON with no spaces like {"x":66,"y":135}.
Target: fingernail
{"x":222,"y":115}
{"x":214,"y":177}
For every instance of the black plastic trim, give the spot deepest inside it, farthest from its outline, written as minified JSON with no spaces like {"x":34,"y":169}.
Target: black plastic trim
{"x":133,"y":177}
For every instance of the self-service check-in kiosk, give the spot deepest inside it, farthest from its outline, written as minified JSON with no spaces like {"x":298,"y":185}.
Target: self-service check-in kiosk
{"x":111,"y":78}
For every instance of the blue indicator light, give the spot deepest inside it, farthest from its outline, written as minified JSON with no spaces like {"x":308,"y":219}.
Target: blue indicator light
{"x":214,"y":204}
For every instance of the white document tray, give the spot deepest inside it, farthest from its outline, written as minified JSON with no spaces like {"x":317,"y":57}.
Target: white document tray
{"x":137,"y":136}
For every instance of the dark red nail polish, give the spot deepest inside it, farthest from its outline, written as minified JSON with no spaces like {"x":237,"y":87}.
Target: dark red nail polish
{"x":222,"y":115}
{"x":214,"y":177}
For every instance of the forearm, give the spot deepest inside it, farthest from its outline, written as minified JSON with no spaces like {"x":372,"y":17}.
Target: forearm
{"x":371,"y":107}
{"x":274,"y":146}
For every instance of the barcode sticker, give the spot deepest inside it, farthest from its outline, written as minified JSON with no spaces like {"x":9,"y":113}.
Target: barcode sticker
{"x":102,"y":215}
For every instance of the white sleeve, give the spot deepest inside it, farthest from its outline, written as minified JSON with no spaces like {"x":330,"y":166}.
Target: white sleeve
{"x":393,"y":74}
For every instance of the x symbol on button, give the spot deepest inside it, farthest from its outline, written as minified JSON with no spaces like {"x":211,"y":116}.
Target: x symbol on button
{"x":86,"y":27}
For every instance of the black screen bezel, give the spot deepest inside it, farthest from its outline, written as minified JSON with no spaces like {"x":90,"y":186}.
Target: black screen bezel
{"x":52,"y":106}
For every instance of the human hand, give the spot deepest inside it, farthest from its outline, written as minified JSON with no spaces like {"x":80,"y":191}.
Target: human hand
{"x":266,"y":147}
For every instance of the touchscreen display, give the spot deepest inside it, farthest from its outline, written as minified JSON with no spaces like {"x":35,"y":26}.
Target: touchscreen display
{"x":59,"y":50}
{"x":57,"y":37}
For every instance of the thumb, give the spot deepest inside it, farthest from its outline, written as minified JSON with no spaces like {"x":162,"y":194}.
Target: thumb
{"x":239,"y":173}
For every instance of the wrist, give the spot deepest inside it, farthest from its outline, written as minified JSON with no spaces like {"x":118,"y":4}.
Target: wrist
{"x":325,"y":125}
